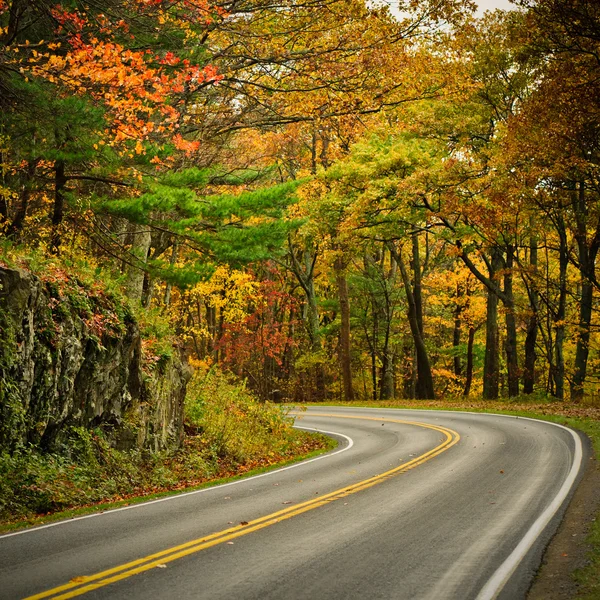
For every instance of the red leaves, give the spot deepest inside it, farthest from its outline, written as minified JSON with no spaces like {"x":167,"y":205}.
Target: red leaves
{"x":139,"y":88}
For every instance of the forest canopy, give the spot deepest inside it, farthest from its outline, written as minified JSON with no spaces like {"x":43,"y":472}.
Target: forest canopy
{"x":327,"y":198}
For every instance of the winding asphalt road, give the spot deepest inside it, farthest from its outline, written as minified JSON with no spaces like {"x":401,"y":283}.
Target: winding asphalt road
{"x":412,"y":505}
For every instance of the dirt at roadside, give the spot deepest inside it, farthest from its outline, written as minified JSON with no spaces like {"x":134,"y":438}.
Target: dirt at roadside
{"x":568,"y":549}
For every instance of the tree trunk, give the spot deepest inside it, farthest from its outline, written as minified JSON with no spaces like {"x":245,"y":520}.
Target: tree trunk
{"x":469,"y":368}
{"x":512,"y":359}
{"x":345,"y":357}
{"x":583,"y":340}
{"x":587,"y":267}
{"x":456,"y":333}
{"x":386,"y":382}
{"x":532,"y":324}
{"x":387,"y":378}
{"x":140,"y":246}
{"x":313,"y":150}
{"x":172,"y":262}
{"x":563,"y":261}
{"x":4,"y":193}
{"x":491,"y":364}
{"x":148,"y":290}
{"x":27,"y":176}
{"x":314,"y":324}
{"x":60,"y":181}
{"x":417,"y":287}
{"x":424,"y":386}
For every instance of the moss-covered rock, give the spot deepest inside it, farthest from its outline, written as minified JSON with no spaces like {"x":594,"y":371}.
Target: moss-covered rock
{"x":71,"y":355}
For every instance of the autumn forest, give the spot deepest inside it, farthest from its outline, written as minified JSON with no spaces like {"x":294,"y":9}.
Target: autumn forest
{"x":316,"y":199}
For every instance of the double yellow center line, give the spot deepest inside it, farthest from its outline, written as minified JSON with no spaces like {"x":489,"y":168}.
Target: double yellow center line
{"x":81,"y":585}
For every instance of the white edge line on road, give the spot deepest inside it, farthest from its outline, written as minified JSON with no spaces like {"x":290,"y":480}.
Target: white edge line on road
{"x":504,"y":572}
{"x":203,"y":490}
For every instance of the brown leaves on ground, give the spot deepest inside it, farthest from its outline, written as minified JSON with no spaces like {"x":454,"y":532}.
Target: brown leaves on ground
{"x":585,"y":410}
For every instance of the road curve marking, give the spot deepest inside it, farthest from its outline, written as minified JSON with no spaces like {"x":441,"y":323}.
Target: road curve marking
{"x":82,"y":585}
{"x":496,"y":583}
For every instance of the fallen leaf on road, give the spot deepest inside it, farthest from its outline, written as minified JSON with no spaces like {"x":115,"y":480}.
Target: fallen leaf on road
{"x":243,"y":522}
{"x":501,"y":471}
{"x":79,"y":579}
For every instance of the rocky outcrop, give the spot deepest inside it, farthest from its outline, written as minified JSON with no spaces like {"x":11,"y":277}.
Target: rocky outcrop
{"x":71,"y":355}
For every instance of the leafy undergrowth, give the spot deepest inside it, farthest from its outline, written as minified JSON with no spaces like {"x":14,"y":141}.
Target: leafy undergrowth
{"x":230,"y":434}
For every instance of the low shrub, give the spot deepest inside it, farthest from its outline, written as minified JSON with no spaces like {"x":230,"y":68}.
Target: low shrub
{"x":233,"y":424}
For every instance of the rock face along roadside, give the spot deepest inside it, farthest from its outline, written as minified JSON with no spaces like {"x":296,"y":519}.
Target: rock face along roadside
{"x":71,"y":355}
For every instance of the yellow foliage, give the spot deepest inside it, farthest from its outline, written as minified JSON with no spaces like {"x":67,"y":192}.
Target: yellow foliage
{"x":231,"y":293}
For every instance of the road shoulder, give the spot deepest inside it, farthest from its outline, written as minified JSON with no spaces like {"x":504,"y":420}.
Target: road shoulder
{"x":569,"y":549}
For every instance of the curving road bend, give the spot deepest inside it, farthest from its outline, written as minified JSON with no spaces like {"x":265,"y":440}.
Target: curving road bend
{"x":412,"y":505}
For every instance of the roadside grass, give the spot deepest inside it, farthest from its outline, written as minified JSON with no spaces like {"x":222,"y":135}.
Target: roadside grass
{"x":316,"y":445}
{"x":584,"y":417}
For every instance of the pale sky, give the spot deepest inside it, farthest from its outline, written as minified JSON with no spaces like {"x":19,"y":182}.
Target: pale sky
{"x":483,"y":5}
{"x":493,"y":4}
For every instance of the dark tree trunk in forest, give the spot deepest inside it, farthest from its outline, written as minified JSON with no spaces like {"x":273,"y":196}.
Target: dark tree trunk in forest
{"x":315,"y":336}
{"x":417,"y":286}
{"x":583,"y":339}
{"x":563,"y":261}
{"x":457,"y":333}
{"x":3,"y":209}
{"x":386,"y":380}
{"x":587,"y":266}
{"x":491,"y":365}
{"x":25,"y":194}
{"x":60,"y":181}
{"x":512,"y":359}
{"x":372,"y":338}
{"x":469,"y":368}
{"x":4,"y":193}
{"x":532,"y":324}
{"x":345,"y":357}
{"x":424,"y":385}
{"x":172,"y":261}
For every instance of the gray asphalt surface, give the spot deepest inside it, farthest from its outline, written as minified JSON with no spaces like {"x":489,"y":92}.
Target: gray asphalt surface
{"x":439,"y":531}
